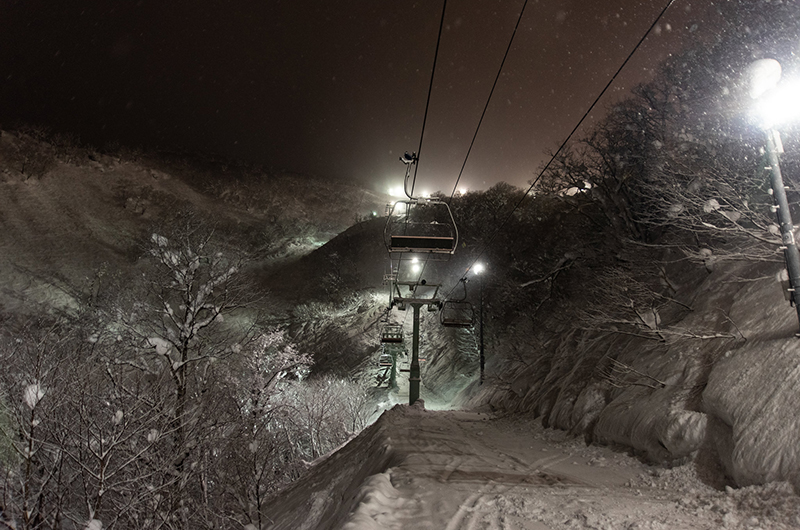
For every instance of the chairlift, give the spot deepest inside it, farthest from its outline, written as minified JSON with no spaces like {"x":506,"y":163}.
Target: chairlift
{"x":419,"y":232}
{"x":385,"y":361}
{"x":457,"y":313}
{"x":392,"y":334}
{"x":419,"y":225}
{"x":422,"y":226}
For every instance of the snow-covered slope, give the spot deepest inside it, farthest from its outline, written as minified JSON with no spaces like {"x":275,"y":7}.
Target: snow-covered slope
{"x":711,"y":382}
{"x":83,"y":214}
{"x":449,"y":470}
{"x":716,"y":387}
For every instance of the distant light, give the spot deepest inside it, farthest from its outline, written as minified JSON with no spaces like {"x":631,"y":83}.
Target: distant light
{"x":478,"y":268}
{"x":462,"y":191}
{"x":396,"y":192}
{"x":425,"y":194}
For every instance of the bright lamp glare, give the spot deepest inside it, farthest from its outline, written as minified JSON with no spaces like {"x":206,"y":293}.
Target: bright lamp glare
{"x":477,"y":268}
{"x":778,"y":106}
{"x":764,"y":75}
{"x":396,"y":192}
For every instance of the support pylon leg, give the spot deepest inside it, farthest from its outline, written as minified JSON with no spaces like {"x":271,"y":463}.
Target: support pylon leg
{"x":414,"y":373}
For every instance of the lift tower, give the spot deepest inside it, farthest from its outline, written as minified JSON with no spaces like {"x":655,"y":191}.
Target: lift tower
{"x":419,"y":233}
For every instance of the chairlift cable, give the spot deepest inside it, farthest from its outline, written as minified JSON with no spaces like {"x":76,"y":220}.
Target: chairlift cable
{"x":569,"y":137}
{"x":488,"y":100}
{"x":428,"y":102}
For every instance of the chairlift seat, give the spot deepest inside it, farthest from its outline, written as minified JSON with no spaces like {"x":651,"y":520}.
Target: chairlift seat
{"x":456,"y":323}
{"x":457,"y":314}
{"x":405,"y":243}
{"x":422,"y":226}
{"x":385,"y":360}
{"x":392,"y":334}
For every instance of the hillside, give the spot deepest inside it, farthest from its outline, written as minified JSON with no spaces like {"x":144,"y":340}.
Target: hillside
{"x":71,"y":214}
{"x":658,"y":348}
{"x":685,"y":360}
{"x":662,"y":390}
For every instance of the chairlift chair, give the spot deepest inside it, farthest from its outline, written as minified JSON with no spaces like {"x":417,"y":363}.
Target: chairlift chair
{"x":385,"y":361}
{"x":392,"y":334}
{"x":457,"y":314}
{"x":421,"y":226}
{"x":419,"y":232}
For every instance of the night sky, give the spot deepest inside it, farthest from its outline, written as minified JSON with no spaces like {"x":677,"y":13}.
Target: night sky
{"x":334,"y":89}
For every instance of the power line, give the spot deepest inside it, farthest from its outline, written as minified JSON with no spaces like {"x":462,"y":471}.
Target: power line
{"x":428,"y":102}
{"x":568,"y":138}
{"x":488,"y":100}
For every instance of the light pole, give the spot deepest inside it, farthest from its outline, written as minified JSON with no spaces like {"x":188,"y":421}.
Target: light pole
{"x":478,"y":268}
{"x":773,"y":106}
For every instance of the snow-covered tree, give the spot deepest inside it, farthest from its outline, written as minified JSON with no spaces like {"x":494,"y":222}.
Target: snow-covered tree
{"x":254,"y":458}
{"x":193,"y":313}
{"x":30,"y":384}
{"x":679,"y":152}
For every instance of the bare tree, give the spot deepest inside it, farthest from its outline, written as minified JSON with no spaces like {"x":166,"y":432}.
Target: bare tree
{"x":253,"y":460}
{"x":192,"y":314}
{"x":112,"y":432}
{"x":125,"y":418}
{"x":31,"y":384}
{"x":670,"y":158}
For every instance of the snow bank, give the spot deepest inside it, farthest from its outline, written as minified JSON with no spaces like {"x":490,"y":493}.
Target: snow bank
{"x":332,"y":488}
{"x":684,"y":397}
{"x":752,"y":399}
{"x":568,"y":391}
{"x":649,"y":422}
{"x":657,"y":421}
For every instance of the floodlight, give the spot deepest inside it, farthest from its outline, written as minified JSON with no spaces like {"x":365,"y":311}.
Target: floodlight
{"x":778,"y":106}
{"x":763,"y":74}
{"x":776,"y":102}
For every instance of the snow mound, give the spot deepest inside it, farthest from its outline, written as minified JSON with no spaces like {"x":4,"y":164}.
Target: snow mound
{"x":757,"y":438}
{"x":332,"y":487}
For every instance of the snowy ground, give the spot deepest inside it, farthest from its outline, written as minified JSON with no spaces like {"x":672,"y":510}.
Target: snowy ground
{"x":452,"y":470}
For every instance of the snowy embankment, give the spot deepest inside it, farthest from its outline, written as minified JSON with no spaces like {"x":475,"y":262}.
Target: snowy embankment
{"x":447,"y":470}
{"x":321,"y":499}
{"x":716,"y":385}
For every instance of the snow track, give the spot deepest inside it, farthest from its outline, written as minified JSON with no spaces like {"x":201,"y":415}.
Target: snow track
{"x":463,"y":470}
